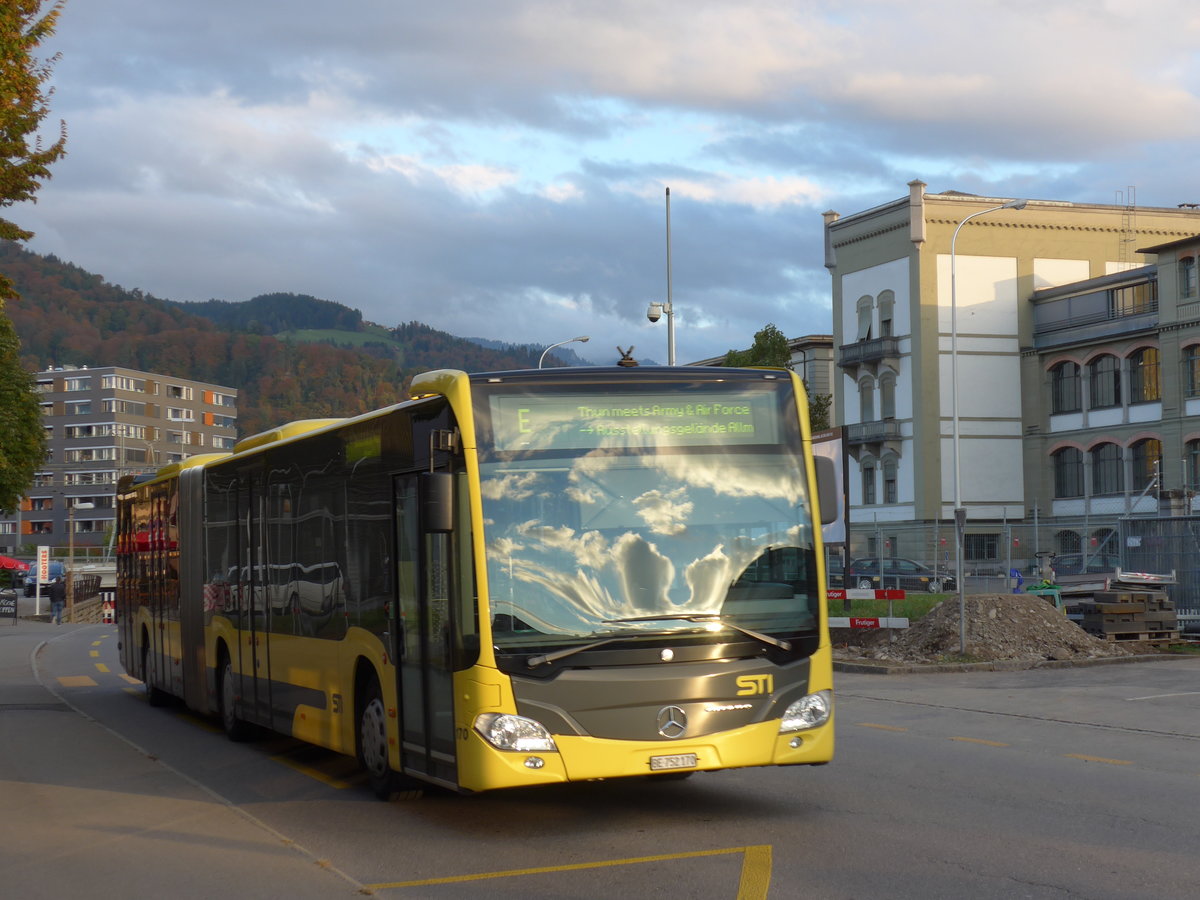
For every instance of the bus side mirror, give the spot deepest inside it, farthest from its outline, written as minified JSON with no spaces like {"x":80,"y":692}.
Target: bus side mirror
{"x":827,"y":489}
{"x":437,"y":502}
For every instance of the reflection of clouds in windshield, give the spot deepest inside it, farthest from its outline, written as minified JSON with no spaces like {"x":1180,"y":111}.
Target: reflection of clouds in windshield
{"x":644,"y":572}
{"x":511,"y":486}
{"x":584,"y":496}
{"x":589,"y":549}
{"x":665,"y":512}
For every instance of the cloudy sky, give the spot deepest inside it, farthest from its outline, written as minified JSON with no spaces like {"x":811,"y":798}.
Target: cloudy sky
{"x":497,"y":168}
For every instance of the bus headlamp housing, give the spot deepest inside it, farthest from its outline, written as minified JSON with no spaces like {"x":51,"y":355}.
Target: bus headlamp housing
{"x":810,"y":711}
{"x":516,"y":733}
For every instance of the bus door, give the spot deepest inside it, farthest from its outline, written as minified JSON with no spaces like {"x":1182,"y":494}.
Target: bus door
{"x":255,"y":610}
{"x":423,"y":630}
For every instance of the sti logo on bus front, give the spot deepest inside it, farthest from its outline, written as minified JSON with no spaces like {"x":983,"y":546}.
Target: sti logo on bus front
{"x":749,"y":685}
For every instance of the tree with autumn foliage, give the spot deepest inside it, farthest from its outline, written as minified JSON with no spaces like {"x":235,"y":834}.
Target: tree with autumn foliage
{"x":24,"y":164}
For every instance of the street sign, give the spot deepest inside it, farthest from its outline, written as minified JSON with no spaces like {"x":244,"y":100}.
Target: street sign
{"x":43,"y":565}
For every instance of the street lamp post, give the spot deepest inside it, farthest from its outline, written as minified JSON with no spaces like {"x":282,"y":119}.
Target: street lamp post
{"x":71,"y":556}
{"x":657,"y":310}
{"x":583,"y":339}
{"x":960,"y":512}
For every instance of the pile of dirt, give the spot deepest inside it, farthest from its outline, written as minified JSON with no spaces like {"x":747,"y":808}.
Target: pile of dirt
{"x":999,"y":627}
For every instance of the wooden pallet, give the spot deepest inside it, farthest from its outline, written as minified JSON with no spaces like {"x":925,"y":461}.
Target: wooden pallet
{"x":1150,"y":637}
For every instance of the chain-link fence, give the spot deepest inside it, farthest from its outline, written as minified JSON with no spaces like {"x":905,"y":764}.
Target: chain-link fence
{"x":1000,"y":557}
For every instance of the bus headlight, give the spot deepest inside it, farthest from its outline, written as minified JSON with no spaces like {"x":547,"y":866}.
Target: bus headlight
{"x":516,"y":733}
{"x":810,"y":711}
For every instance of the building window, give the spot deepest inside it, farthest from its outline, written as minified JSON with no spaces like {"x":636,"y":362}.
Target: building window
{"x":177,"y":392}
{"x":890,"y":493}
{"x":125,"y":407}
{"x":1133,"y":299}
{"x":1068,"y":542}
{"x":176,"y":414}
{"x":77,"y":384}
{"x":1146,"y":457}
{"x":123,"y":383}
{"x":1192,"y":460}
{"x":868,"y":484}
{"x":866,"y":400}
{"x":1107,"y":475}
{"x":223,"y":443}
{"x":887,"y":307}
{"x":865,"y":308}
{"x":1104,"y":379}
{"x":78,"y":407}
{"x":1191,"y":370}
{"x":981,"y":547}
{"x":1144,"y":383}
{"x":224,"y":400}
{"x":1187,"y":277}
{"x":1066,"y":395}
{"x":887,"y":396}
{"x":1068,"y":473}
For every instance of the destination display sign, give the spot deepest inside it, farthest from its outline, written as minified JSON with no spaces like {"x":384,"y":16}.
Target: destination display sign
{"x":592,"y":420}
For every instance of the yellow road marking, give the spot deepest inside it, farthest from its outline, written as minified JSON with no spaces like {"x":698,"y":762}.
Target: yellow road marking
{"x":95,"y":643}
{"x":1100,"y":759}
{"x":130,"y":679}
{"x":979,"y":741}
{"x":134,"y":692}
{"x":93,"y":653}
{"x":882,"y":727}
{"x":76,"y":681}
{"x":755,"y":878}
{"x":101,"y":667}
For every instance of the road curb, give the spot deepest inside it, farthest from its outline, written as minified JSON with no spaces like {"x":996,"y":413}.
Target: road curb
{"x":999,"y":665}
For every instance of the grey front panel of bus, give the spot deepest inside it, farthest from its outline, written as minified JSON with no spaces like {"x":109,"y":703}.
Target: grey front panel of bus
{"x":623,"y":702}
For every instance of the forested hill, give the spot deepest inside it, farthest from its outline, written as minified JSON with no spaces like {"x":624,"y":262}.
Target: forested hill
{"x":289,"y":356}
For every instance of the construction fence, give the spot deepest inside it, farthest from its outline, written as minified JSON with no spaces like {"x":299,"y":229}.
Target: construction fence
{"x":998,"y":558}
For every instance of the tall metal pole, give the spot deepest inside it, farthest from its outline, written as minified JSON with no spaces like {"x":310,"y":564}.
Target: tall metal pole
{"x":960,"y":512}
{"x":670,"y":311}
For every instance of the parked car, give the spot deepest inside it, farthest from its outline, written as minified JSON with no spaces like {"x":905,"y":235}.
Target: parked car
{"x":905,"y":574}
{"x":57,"y":570}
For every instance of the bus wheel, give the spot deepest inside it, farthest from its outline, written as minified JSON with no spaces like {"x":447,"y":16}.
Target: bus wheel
{"x":154,"y":696}
{"x":236,"y":729}
{"x":373,"y":748}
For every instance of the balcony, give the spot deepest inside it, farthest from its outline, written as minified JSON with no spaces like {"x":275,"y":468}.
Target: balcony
{"x":873,"y":432}
{"x":872,"y":351}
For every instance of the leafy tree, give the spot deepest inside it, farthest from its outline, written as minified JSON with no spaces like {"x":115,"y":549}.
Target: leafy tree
{"x":23,"y":168}
{"x":770,"y":348}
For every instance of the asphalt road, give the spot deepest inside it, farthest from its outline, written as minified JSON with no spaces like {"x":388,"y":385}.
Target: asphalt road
{"x":1043,"y":784}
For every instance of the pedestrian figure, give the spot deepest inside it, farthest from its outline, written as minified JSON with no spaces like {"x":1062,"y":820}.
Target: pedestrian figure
{"x":58,"y":599}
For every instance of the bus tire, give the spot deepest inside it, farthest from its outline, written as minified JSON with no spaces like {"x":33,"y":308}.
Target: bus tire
{"x":236,"y":729}
{"x":372,"y":746}
{"x":155,"y":696}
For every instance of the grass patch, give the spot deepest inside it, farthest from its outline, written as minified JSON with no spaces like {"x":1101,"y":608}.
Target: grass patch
{"x":912,"y":607}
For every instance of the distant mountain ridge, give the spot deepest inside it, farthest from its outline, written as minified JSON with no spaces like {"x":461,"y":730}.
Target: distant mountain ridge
{"x":290,"y":356}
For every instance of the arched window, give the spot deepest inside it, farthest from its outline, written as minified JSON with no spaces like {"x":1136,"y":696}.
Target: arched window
{"x":865,"y":308}
{"x":1068,"y":472}
{"x":887,"y":396}
{"x":1146,"y":457}
{"x":1067,"y":542}
{"x":1065,"y":393}
{"x":1187,"y":277}
{"x":1192,"y":459}
{"x":1107,"y":470}
{"x":1144,"y":383}
{"x":1191,"y":370}
{"x":868,"y":482}
{"x":1104,"y":379}
{"x":890,"y":489}
{"x":866,"y":400}
{"x":887,"y":312}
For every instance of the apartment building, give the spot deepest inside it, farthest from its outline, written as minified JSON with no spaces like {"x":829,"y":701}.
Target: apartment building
{"x":102,"y":423}
{"x":1031,"y":337}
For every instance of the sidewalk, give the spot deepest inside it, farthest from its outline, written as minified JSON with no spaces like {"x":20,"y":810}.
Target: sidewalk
{"x":19,"y":688}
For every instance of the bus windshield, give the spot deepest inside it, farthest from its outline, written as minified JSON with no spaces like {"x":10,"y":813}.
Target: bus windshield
{"x":674,"y":512}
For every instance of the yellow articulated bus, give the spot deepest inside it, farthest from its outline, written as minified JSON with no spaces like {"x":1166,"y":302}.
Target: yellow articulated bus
{"x":515,"y":578}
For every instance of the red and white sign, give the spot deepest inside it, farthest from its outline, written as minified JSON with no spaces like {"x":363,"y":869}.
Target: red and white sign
{"x":854,"y":594}
{"x":43,"y":565}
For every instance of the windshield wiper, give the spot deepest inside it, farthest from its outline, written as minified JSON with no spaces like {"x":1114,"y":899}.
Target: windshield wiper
{"x":711,"y":617}
{"x":606,"y":638}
